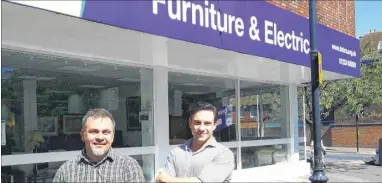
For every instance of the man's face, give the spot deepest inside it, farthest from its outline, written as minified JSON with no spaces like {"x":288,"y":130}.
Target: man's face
{"x":202,"y":125}
{"x":98,"y":135}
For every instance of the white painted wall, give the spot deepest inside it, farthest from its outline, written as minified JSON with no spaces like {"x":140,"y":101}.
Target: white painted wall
{"x":273,"y":173}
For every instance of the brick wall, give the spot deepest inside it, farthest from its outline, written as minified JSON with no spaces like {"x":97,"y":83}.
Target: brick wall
{"x":346,"y":136}
{"x":338,"y":15}
{"x":324,"y":133}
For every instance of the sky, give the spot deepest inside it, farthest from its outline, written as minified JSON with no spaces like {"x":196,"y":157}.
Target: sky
{"x":368,"y":16}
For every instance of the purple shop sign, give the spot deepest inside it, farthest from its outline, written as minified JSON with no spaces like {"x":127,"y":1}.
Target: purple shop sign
{"x":251,"y":27}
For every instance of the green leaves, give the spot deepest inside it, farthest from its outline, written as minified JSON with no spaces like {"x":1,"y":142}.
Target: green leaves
{"x":351,"y":95}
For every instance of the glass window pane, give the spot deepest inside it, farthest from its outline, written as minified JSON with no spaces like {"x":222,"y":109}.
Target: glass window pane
{"x":45,"y":97}
{"x":29,"y":172}
{"x":302,"y":151}
{"x":263,"y":155}
{"x":265,"y":112}
{"x":234,"y":151}
{"x":146,"y":161}
{"x":185,"y":89}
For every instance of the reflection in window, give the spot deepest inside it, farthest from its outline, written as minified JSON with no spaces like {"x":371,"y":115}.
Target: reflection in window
{"x":45,"y":97}
{"x":234,"y":151}
{"x":185,"y":89}
{"x":265,"y":114}
{"x":39,"y":172}
{"x":263,"y":155}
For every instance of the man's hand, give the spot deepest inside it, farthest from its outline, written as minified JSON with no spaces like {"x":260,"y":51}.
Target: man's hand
{"x":161,"y":176}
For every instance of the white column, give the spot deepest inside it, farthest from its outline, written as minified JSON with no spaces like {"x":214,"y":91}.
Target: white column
{"x":155,"y":49}
{"x":146,"y":106}
{"x":177,"y":111}
{"x":284,"y":112}
{"x":285,"y":118}
{"x":162,"y":125}
{"x":161,"y":107}
{"x":293,"y":98}
{"x":290,"y":111}
{"x":30,"y":111}
{"x":146,"y":110}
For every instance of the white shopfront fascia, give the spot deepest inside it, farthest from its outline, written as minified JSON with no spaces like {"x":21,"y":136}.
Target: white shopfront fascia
{"x":39,"y":31}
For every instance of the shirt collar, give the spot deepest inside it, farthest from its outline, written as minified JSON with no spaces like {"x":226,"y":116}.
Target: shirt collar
{"x":210,"y":143}
{"x":83,"y":157}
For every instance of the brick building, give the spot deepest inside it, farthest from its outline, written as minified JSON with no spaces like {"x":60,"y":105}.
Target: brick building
{"x":338,"y":15}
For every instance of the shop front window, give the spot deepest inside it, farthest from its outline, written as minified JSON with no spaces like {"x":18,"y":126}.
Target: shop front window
{"x":265,"y":111}
{"x":263,"y":155}
{"x":44,"y":98}
{"x":185,"y":89}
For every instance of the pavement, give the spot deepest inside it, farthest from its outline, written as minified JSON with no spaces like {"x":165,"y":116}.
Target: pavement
{"x":346,"y":165}
{"x":350,"y":150}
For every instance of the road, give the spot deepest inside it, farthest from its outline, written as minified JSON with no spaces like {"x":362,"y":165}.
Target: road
{"x":349,"y":167}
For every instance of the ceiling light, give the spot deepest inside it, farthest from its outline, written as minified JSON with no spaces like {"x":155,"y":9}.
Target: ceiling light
{"x":36,"y":78}
{"x":91,"y":86}
{"x":75,"y":68}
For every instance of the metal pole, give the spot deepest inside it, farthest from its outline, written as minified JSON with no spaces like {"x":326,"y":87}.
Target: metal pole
{"x":356,"y":129}
{"x":318,"y":170}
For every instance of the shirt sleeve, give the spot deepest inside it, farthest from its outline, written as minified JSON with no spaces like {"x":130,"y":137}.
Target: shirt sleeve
{"x":134,"y":172}
{"x":58,"y":177}
{"x":169,"y":166}
{"x":220,"y":170}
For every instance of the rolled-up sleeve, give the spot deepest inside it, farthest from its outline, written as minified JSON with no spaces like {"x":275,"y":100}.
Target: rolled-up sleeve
{"x":170,"y":167}
{"x":220,"y":169}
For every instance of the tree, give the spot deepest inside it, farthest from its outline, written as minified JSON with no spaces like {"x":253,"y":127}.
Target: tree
{"x":349,"y":95}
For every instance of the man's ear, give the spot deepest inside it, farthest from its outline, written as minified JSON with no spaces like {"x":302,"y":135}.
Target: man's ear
{"x":215,"y":125}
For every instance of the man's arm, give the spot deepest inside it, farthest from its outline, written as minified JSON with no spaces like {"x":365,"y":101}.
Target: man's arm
{"x":217,"y":171}
{"x":220,"y":169}
{"x":169,"y":167}
{"x":169,"y":172}
{"x":164,"y":177}
{"x":134,"y":172}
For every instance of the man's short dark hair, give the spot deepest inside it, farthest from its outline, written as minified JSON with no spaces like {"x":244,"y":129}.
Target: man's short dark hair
{"x":200,"y":106}
{"x":97,"y":113}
